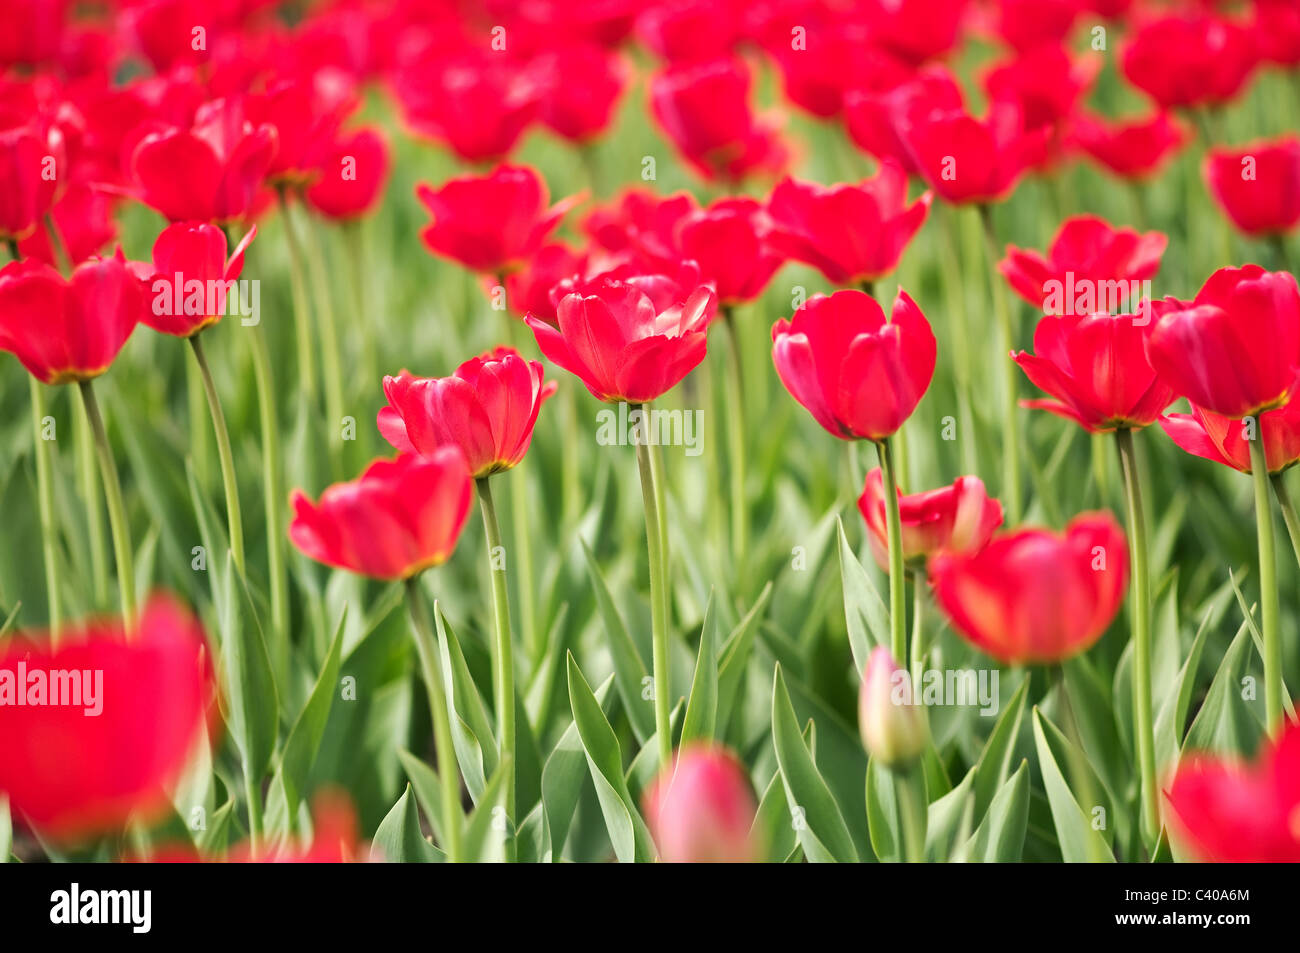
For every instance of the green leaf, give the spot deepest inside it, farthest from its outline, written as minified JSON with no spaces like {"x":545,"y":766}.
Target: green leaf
{"x":487,"y":830}
{"x":1000,"y":838}
{"x":995,"y":761}
{"x":882,"y":814}
{"x":629,"y":668}
{"x":562,"y":781}
{"x":428,"y":789}
{"x":773,"y":829}
{"x":1172,"y":715}
{"x":1225,"y":722}
{"x":471,"y":728}
{"x":734,"y":657}
{"x":945,"y":818}
{"x":398,"y":839}
{"x":823,"y":833}
{"x":702,"y":709}
{"x":1078,"y":841}
{"x":864,"y":611}
{"x":246,"y":669}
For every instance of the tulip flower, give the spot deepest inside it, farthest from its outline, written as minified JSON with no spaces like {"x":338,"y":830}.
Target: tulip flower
{"x":1276,"y":31}
{"x":875,"y":119}
{"x":1047,"y":83}
{"x":27,"y":193}
{"x":689,"y":32}
{"x":733,"y":242}
{"x":352,"y":176}
{"x":121,"y":730}
{"x":1193,"y":59}
{"x":1229,"y":812}
{"x":641,"y":227}
{"x":890,"y":717}
{"x":1257,"y":187}
{"x":580,"y":89}
{"x":528,"y":291}
{"x":1035,"y":596}
{"x":491,"y":224}
{"x":852,"y":234}
{"x":701,"y":809}
{"x":958,"y":518}
{"x":1134,"y":149}
{"x":1027,"y":25}
{"x":83,"y":219}
{"x":1204,"y":433}
{"x":918,"y":30}
{"x":305,"y":113}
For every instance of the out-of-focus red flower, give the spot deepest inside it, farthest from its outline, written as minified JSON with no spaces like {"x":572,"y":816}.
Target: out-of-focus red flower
{"x":487,"y":408}
{"x":397,"y":519}
{"x":305,"y":113}
{"x":1035,"y":596}
{"x":188,"y":279}
{"x":167,"y":31}
{"x":34,"y":30}
{"x":1229,"y":812}
{"x":1089,"y":257}
{"x":1236,"y":350}
{"x":491,"y":223}
{"x":858,"y":374}
{"x":1223,"y":440}
{"x":1131,"y":149}
{"x":1191,"y":59}
{"x":1276,"y":29}
{"x":640,"y":224}
{"x":83,"y":217}
{"x":31,"y":166}
{"x":704,"y":109}
{"x":701,"y":810}
{"x":960,"y":518}
{"x":891,"y":720}
{"x":916,"y":30}
{"x":628,"y":340}
{"x":689,"y":30}
{"x":580,"y":89}
{"x":528,"y":291}
{"x":1096,"y":369}
{"x":1046,"y":82}
{"x":68,"y":329}
{"x":875,"y":117}
{"x":731,"y":241}
{"x":850,"y":233}
{"x":211,"y":172}
{"x":353,"y":175}
{"x":1257,"y":187}
{"x":1027,"y":24}
{"x":107,"y":723}
{"x":834,"y":59}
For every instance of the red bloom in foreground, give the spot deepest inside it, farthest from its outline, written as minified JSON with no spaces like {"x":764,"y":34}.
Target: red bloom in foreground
{"x":702,"y":810}
{"x":1034,"y":596}
{"x":26,"y":194}
{"x":1131,"y":149}
{"x":353,"y":176}
{"x":491,"y":223}
{"x":1236,"y":349}
{"x":397,"y":519}
{"x":188,"y":280}
{"x":1096,"y":369}
{"x":732,"y":242}
{"x":1224,"y":440}
{"x":68,"y":329}
{"x":850,"y":233}
{"x":487,"y":408}
{"x":628,"y":341}
{"x":1087,"y":256}
{"x":1229,"y":812}
{"x":1189,"y":60}
{"x":858,"y":374}
{"x":1258,"y":187}
{"x":960,"y":518}
{"x":84,"y":763}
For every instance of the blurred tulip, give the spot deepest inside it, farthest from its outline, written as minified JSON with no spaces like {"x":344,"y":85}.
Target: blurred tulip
{"x":892,"y":722}
{"x":858,"y":374}
{"x":852,"y":234}
{"x":528,"y":291}
{"x":1276,"y":31}
{"x":1229,"y":812}
{"x":959,"y":518}
{"x":353,"y":175}
{"x":701,"y":811}
{"x":1131,"y":149}
{"x":1192,"y":59}
{"x":397,"y":519}
{"x":580,"y":90}
{"x":1235,"y":350}
{"x":917,"y":30}
{"x":88,"y":762}
{"x":1257,"y":187}
{"x":189,"y":276}
{"x":641,"y":226}
{"x":875,"y":119}
{"x":83,"y":218}
{"x":1034,"y":596}
{"x":689,"y":30}
{"x":1045,"y":81}
{"x":30,"y":165}
{"x":733,"y":243}
{"x":305,"y":113}
{"x":1028,"y":24}
{"x":1224,"y":440}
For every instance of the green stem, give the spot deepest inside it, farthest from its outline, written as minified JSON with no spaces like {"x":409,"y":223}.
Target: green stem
{"x":331,"y":361}
{"x":45,"y":505}
{"x":448,"y":775}
{"x":1140,"y":616}
{"x":1268,"y":588}
{"x":253,"y":794}
{"x":356,"y":257}
{"x":301,"y":321}
{"x":1010,"y":409}
{"x":736,"y":440}
{"x":1288,"y":512}
{"x":518,"y":492}
{"x":894,"y":528}
{"x":503,"y":666}
{"x":918,"y":632}
{"x":88,"y":480}
{"x":116,"y":509}
{"x":233,"y":517}
{"x":272,"y":498}
{"x":658,"y":596}
{"x":909,"y":786}
{"x":954,"y":290}
{"x":200,"y":448}
{"x":570,"y":472}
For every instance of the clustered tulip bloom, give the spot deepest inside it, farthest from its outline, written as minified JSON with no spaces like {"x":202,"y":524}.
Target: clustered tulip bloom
{"x":1258,"y":187}
{"x":28,"y":194}
{"x":487,"y":409}
{"x":893,"y":724}
{"x":1133,"y":149}
{"x":1204,"y":433}
{"x":1189,"y":60}
{"x":71,"y":774}
{"x":397,"y":519}
{"x":352,"y":176}
{"x":959,"y":518}
{"x":189,"y":275}
{"x":858,"y":374}
{"x":876,"y":119}
{"x":1034,"y":596}
{"x":701,"y":810}
{"x":733,"y":242}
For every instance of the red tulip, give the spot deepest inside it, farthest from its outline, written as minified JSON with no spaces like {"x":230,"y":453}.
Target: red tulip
{"x":859,"y":375}
{"x":1276,"y":30}
{"x":1029,"y":24}
{"x":189,"y":278}
{"x":1236,"y":350}
{"x":691,"y":31}
{"x":32,"y":163}
{"x":397,"y":519}
{"x":702,"y":809}
{"x":732,"y":242}
{"x":117,"y":718}
{"x":528,"y":291}
{"x":305,"y":113}
{"x":83,"y":217}
{"x":891,"y":719}
{"x":487,"y":408}
{"x":491,"y":223}
{"x":1045,"y":81}
{"x":581,"y":87}
{"x":353,"y":175}
{"x":1193,"y":59}
{"x":1223,"y":440}
{"x":1131,"y":149}
{"x":917,"y":30}
{"x":1229,"y":812}
{"x":1034,"y":596}
{"x":628,"y":340}
{"x":875,"y":119}
{"x":837,"y":59}
{"x":640,"y":225}
{"x":960,"y":518}
{"x":209,"y":173}
{"x":850,"y":233}
{"x":1258,"y":187}
{"x":1090,"y":258}
{"x":68,"y":329}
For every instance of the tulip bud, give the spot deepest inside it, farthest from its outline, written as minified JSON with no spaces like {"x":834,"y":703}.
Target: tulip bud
{"x":894,"y":728}
{"x":702,"y":811}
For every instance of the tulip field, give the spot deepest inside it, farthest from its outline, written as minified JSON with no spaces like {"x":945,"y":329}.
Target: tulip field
{"x":671,"y":430}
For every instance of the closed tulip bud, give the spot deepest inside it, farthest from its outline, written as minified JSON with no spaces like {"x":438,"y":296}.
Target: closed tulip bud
{"x":894,"y":727}
{"x":703,"y":810}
